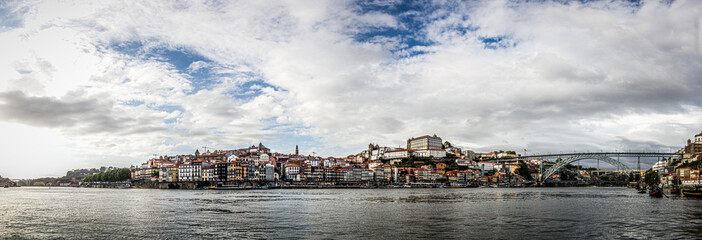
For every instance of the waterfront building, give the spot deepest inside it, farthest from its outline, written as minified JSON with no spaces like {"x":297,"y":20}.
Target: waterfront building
{"x":292,"y":172}
{"x":163,"y":174}
{"x":332,"y":174}
{"x":667,"y":178}
{"x":452,"y":176}
{"x":691,"y":179}
{"x":313,"y":173}
{"x":145,"y":172}
{"x":469,"y":175}
{"x":424,"y":142}
{"x":189,"y":172}
{"x":355,"y":174}
{"x":238,"y":170}
{"x":172,"y":173}
{"x":683,"y":172}
{"x":382,"y":173}
{"x":208,"y":174}
{"x":221,"y":170}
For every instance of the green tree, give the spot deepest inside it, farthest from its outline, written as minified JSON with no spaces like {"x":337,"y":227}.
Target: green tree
{"x":524,"y":171}
{"x":448,"y":144}
{"x":651,"y":177}
{"x":114,"y":175}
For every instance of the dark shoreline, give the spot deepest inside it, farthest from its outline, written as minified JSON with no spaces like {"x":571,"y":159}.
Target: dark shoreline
{"x":285,"y":185}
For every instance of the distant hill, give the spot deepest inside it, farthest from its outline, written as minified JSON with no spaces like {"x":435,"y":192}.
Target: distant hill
{"x":6,"y":181}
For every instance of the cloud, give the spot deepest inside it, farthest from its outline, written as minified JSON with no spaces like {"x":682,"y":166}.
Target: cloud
{"x":336,"y":75}
{"x":75,"y":112}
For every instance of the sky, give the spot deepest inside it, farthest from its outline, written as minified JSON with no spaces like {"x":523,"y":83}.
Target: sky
{"x":111,"y":83}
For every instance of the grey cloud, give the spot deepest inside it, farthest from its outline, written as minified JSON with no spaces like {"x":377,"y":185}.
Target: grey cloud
{"x":45,"y":111}
{"x":74,"y":112}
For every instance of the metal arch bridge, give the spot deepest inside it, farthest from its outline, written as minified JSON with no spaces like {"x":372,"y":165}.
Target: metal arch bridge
{"x":567,"y":158}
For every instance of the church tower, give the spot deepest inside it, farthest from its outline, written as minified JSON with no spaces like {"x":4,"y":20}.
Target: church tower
{"x":297,"y":151}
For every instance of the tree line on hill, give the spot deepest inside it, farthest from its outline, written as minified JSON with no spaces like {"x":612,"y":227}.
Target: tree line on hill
{"x":115,"y":175}
{"x":72,"y":176}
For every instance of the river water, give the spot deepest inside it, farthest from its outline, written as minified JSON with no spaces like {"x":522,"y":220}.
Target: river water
{"x":492,"y":213}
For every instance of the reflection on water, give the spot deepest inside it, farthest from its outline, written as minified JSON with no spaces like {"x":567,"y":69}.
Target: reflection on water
{"x":346,"y":213}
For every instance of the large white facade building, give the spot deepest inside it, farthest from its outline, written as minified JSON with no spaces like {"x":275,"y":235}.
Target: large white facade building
{"x":424,"y":142}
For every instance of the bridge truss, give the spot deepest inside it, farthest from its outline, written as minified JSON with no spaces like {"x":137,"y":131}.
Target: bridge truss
{"x":573,"y":157}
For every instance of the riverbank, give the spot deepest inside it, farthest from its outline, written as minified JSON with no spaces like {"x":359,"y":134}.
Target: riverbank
{"x":288,"y":185}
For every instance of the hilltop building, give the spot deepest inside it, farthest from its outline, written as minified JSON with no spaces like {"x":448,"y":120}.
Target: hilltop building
{"x":695,"y":147}
{"x":424,"y":143}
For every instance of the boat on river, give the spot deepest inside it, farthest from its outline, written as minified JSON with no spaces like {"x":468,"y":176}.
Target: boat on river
{"x":692,"y":193}
{"x":675,"y":191}
{"x":230,"y":187}
{"x":656,"y":192}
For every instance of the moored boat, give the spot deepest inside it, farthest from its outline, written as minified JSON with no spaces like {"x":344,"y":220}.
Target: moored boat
{"x":675,"y":191}
{"x":692,"y":193}
{"x":656,"y":192}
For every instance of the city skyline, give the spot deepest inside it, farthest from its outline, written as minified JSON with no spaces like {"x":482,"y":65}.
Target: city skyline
{"x":87,"y":84}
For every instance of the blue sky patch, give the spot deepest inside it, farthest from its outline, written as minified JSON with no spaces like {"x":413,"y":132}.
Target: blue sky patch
{"x":412,"y":18}
{"x":10,"y":18}
{"x":497,"y":42}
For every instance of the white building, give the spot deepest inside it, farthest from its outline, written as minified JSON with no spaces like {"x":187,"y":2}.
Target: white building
{"x":462,"y":162}
{"x":396,"y":154}
{"x":292,"y":172}
{"x":659,"y":166}
{"x":433,"y":152}
{"x":424,"y":142}
{"x":189,"y":172}
{"x":270,"y":172}
{"x":263,"y":157}
{"x":486,"y":166}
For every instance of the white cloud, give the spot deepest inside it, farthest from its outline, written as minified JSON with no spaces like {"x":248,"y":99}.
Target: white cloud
{"x":577,"y":76}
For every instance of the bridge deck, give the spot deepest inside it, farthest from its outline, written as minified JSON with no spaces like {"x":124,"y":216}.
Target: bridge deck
{"x":609,"y":154}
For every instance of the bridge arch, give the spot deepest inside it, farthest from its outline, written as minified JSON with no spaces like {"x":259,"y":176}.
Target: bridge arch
{"x":564,"y":162}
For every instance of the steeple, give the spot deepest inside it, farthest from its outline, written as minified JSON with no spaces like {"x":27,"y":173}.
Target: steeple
{"x":297,"y":151}
{"x":197,"y":153}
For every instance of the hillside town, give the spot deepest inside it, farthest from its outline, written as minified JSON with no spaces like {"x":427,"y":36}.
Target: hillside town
{"x":425,"y":161}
